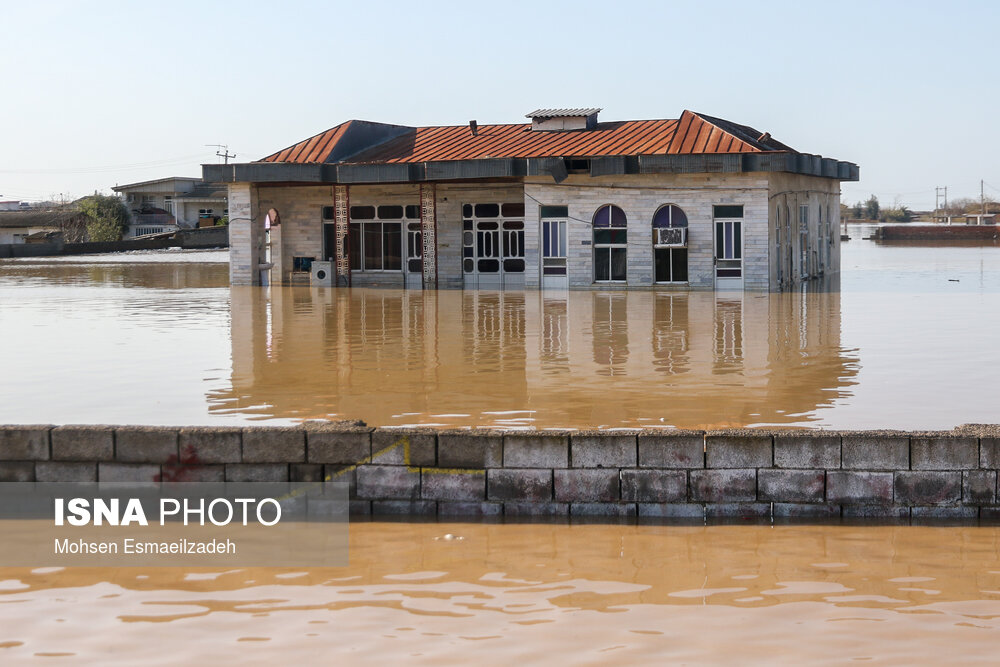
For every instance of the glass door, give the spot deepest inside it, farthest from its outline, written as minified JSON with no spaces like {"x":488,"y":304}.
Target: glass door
{"x":728,"y":254}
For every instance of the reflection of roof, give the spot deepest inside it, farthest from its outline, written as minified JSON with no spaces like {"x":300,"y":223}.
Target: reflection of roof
{"x":692,"y":133}
{"x":49,"y":218}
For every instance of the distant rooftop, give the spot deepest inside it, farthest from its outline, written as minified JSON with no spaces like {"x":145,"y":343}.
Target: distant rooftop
{"x":561,"y":113}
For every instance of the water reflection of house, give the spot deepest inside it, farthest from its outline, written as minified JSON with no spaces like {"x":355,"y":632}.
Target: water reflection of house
{"x":169,"y":204}
{"x":562,"y":201}
{"x":562,"y":359}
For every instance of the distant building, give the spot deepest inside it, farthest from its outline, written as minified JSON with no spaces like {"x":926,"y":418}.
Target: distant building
{"x":169,"y":204}
{"x":38,"y":225}
{"x":561,"y":202}
{"x":10,"y":205}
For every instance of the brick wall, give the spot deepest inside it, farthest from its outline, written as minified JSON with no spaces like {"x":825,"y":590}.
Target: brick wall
{"x":655,"y":474}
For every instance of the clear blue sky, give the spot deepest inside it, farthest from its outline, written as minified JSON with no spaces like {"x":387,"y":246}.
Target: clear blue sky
{"x":99,"y":93}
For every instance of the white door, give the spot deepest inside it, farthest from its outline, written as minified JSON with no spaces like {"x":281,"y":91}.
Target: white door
{"x":728,"y":254}
{"x":553,"y":246}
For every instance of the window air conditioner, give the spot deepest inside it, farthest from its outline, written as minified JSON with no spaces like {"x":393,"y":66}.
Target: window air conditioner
{"x":671,"y":236}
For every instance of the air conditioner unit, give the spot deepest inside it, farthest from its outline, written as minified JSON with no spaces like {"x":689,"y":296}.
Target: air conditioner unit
{"x":322,"y":274}
{"x":671,"y":236}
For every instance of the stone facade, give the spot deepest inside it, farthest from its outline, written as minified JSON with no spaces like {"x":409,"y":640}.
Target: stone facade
{"x":778,"y":252}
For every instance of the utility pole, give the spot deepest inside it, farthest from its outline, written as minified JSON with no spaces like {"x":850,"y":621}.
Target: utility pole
{"x":224,"y":154}
{"x":982,"y":197}
{"x":938,"y":194}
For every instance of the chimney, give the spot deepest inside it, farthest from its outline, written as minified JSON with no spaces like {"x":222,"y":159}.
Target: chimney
{"x":473,"y":127}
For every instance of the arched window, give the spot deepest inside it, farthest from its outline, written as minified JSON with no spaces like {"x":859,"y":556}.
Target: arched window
{"x":669,"y":215}
{"x":610,"y":243}
{"x":670,"y":257}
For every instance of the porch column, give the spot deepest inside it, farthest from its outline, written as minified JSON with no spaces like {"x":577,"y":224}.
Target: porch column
{"x":246,"y":235}
{"x":428,"y":232}
{"x":277,"y":253}
{"x":342,"y":228}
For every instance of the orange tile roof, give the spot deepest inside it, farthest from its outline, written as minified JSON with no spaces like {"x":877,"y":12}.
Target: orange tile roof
{"x":692,"y":133}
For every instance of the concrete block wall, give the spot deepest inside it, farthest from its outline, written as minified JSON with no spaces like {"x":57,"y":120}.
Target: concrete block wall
{"x":516,"y":474}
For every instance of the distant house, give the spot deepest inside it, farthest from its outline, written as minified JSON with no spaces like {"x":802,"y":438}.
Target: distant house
{"x":564,"y":201}
{"x":169,"y":204}
{"x":33,"y":225}
{"x":10,"y":205}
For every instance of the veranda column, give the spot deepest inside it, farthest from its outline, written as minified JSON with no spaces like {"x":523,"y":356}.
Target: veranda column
{"x":428,"y":233}
{"x":342,"y":227}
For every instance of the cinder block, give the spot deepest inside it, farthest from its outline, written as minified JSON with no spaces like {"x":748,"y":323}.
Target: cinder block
{"x":274,"y":445}
{"x":693,"y":511}
{"x":535,"y":451}
{"x":672,"y":451}
{"x":586,"y":485}
{"x":83,"y":443}
{"x":470,"y":450}
{"x":387,"y":482}
{"x":979,"y":487}
{"x":791,"y":486}
{"x":989,"y":453}
{"x":404,"y":447}
{"x":805,"y":451}
{"x":256,"y":472}
{"x":603,"y":510}
{"x":210,"y":473}
{"x":210,"y":445}
{"x":603,"y":451}
{"x":305,"y":472}
{"x":894,"y":512}
{"x":725,"y":451}
{"x":24,"y":443}
{"x":875,"y":453}
{"x":737,"y":510}
{"x":947,"y":513}
{"x":408,"y":508}
{"x":60,"y":471}
{"x":127,"y":472}
{"x":928,"y":488}
{"x":359,"y":507}
{"x":346,"y":447}
{"x":944,"y":453}
{"x":343,"y":475}
{"x":654,"y":486}
{"x":463,"y":509}
{"x":520,"y":484}
{"x":519,"y":510}
{"x":859,"y":488}
{"x":805,"y":511}
{"x":436,"y":485}
{"x":723,"y":486}
{"x":17,"y":471}
{"x":152,"y":444}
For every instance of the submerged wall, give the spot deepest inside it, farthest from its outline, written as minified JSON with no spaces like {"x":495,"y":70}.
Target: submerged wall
{"x":456,"y":473}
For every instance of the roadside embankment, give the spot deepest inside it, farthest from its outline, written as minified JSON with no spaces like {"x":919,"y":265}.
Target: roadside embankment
{"x":517,"y":474}
{"x":914,"y":232}
{"x":187,"y":239}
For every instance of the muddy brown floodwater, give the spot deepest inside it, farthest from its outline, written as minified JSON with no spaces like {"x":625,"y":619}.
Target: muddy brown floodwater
{"x":159,"y":338}
{"x":540,"y":594}
{"x":908,"y":341}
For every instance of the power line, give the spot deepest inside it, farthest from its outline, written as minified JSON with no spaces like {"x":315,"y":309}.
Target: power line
{"x":88,"y":170}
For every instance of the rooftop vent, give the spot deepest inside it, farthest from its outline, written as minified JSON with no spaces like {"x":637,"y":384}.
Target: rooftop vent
{"x":549,"y":120}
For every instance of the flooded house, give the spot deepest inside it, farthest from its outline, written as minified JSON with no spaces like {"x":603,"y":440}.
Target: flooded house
{"x":168,"y":204}
{"x":563,"y":201}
